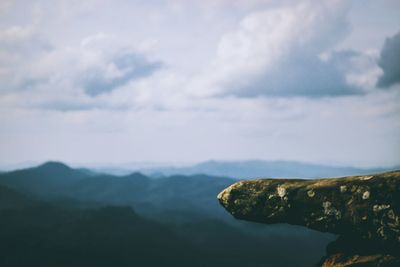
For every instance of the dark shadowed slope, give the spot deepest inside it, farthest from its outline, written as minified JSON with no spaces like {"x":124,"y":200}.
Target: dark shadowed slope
{"x":105,"y":237}
{"x":49,"y":235}
{"x":11,"y":199}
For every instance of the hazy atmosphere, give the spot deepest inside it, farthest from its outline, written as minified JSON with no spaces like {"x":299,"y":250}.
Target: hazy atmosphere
{"x":188,"y":81}
{"x":199,"y":133}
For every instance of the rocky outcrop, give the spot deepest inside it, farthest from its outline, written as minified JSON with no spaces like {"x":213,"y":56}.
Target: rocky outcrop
{"x":340,"y":259}
{"x":350,"y":251}
{"x":363,"y":210}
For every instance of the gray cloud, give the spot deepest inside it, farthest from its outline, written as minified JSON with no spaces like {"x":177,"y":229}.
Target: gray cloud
{"x":65,"y":106}
{"x":130,"y":67}
{"x":303,"y":75}
{"x":390,"y":62}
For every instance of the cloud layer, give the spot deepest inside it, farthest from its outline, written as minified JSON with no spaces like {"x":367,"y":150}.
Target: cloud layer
{"x":175,"y":80}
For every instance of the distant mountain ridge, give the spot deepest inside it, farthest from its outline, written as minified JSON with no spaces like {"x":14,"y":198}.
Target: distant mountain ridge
{"x":263,"y":169}
{"x":49,"y":178}
{"x":247,"y":169}
{"x":55,"y":181}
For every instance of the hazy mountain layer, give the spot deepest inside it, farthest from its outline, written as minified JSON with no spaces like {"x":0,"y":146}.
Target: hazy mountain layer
{"x":259,"y":168}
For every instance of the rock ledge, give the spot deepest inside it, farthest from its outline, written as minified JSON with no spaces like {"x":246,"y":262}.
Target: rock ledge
{"x":362,"y":209}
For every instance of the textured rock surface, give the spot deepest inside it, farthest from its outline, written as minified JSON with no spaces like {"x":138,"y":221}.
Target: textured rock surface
{"x":340,"y":259}
{"x":363,"y":210}
{"x":366,"y":207}
{"x":347,"y":251}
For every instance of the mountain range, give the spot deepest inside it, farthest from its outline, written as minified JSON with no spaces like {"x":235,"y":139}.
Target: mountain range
{"x":55,"y":213}
{"x":251,"y":169}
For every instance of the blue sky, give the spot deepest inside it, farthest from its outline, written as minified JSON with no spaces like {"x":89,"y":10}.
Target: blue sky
{"x":186,"y":81}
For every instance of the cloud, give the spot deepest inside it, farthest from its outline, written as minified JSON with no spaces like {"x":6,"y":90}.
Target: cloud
{"x":358,"y":69}
{"x":120,"y":71}
{"x":276,"y":52}
{"x":389,"y":61}
{"x":20,"y":46}
{"x":273,"y":51}
{"x":5,"y":5}
{"x":299,"y":76}
{"x":70,"y":77}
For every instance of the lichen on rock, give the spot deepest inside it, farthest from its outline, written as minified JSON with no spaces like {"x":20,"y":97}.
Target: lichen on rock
{"x":370,"y":209}
{"x":357,"y":207}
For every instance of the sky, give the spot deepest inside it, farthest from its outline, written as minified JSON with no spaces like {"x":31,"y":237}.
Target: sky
{"x":96,"y":81}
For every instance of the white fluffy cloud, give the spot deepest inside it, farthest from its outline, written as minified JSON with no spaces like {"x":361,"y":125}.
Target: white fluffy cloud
{"x":276,"y":52}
